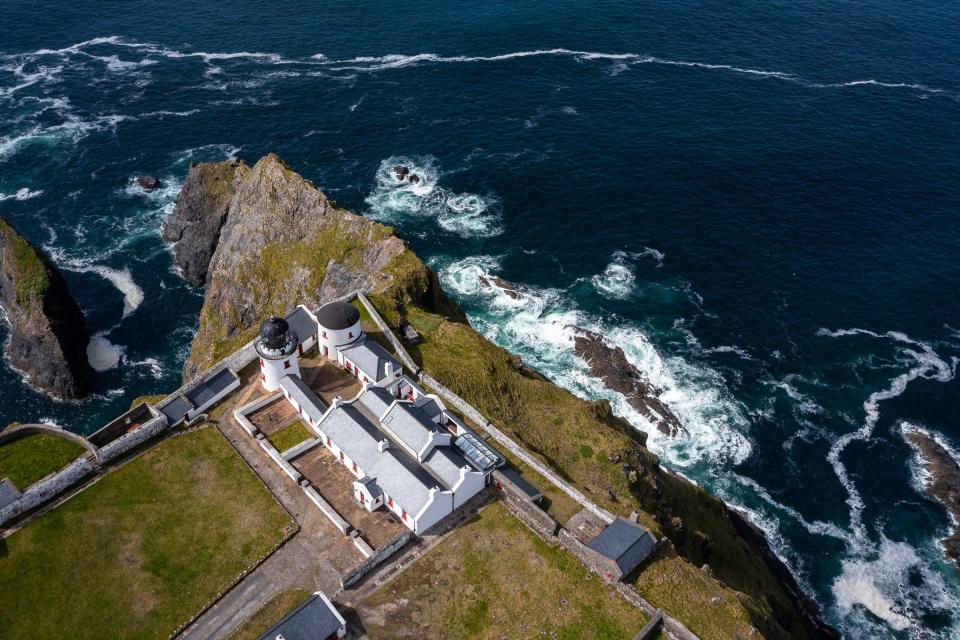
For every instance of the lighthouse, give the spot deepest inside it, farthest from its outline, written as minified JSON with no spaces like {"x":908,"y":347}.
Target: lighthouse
{"x":277,"y":348}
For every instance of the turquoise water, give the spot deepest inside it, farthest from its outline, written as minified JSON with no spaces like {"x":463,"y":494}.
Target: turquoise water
{"x":756,"y":201}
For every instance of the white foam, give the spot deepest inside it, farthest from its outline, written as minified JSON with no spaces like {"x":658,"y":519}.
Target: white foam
{"x":464,"y":214}
{"x":123,"y":281}
{"x":617,"y":280}
{"x":20,"y":194}
{"x":103,"y":354}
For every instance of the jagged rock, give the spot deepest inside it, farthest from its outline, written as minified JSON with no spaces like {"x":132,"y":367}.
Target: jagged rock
{"x":199,"y":215}
{"x":496,"y":282}
{"x":401,"y":172}
{"x":610,"y":364}
{"x":944,"y":484}
{"x":148,"y":182}
{"x":414,"y":178}
{"x":48,"y":335}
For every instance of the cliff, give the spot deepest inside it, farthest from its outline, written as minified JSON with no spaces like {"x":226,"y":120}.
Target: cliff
{"x":282,"y":242}
{"x":48,"y":336}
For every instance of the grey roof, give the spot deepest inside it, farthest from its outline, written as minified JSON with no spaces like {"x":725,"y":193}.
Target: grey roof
{"x":338,"y":316}
{"x":431,"y":407}
{"x":311,"y":620}
{"x":376,"y":400}
{"x":445,"y":464}
{"x":8,"y":492}
{"x":409,"y":425}
{"x":479,"y":453}
{"x":398,"y":475}
{"x":302,"y":324}
{"x":176,"y":409}
{"x":625,"y":543}
{"x":313,"y":408}
{"x":370,"y":357}
{"x":371,"y":484}
{"x":209,"y":388}
{"x":513,"y":477}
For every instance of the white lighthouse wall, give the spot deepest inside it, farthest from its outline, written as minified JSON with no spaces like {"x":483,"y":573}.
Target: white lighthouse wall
{"x":272,"y":371}
{"x":330,"y":339}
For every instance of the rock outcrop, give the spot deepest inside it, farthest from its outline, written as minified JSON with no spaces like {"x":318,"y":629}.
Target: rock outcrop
{"x":48,"y":335}
{"x":200,"y":213}
{"x":944,"y":483}
{"x":609,"y":363}
{"x":148,"y":183}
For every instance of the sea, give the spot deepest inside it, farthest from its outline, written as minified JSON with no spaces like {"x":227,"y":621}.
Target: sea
{"x":757,"y":201}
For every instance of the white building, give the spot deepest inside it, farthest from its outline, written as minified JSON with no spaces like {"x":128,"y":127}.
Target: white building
{"x":277,"y":347}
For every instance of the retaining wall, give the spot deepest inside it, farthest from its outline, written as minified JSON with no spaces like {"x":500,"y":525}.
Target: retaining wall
{"x":242,"y":413}
{"x":373,"y":561}
{"x":541,"y":522}
{"x":47,"y":489}
{"x":335,"y":518}
{"x":276,"y":457}
{"x":128,"y":441}
{"x":397,"y":347}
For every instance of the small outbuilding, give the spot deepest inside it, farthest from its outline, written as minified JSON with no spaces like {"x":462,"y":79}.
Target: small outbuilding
{"x":621,"y":547}
{"x":315,"y":619}
{"x":508,"y":478}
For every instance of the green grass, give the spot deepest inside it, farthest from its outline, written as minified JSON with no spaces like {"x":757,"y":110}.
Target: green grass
{"x":275,"y":608}
{"x":149,"y":399}
{"x":496,"y":579}
{"x":142,"y":550}
{"x":28,"y":459}
{"x":30,"y":277}
{"x":290,"y":436}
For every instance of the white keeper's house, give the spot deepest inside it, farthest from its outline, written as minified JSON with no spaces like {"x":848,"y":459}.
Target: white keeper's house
{"x":408,"y":452}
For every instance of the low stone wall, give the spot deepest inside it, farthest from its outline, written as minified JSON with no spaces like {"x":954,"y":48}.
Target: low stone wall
{"x":241,"y":413}
{"x":541,"y":522}
{"x":47,"y":489}
{"x":23,"y":430}
{"x":397,"y":347}
{"x":335,"y":518}
{"x":298,"y":450}
{"x":371,"y":563}
{"x":276,"y":457}
{"x":128,"y":441}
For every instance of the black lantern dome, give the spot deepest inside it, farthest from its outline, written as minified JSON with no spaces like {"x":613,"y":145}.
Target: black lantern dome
{"x":274,"y":333}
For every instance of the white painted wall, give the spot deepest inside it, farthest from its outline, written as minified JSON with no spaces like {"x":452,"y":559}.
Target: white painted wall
{"x":332,"y":339}
{"x":272,"y":371}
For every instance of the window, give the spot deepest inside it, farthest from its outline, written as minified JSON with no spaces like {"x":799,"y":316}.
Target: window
{"x":366,"y":379}
{"x":390,"y":502}
{"x":355,"y":467}
{"x":403,"y":514}
{"x":324,"y":334}
{"x":329,"y":444}
{"x":261,"y":363}
{"x":350,"y":335}
{"x":286,"y":364}
{"x":263,"y":377}
{"x":341,"y":456}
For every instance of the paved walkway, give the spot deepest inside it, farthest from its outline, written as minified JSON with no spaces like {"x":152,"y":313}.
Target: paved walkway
{"x":313,"y":559}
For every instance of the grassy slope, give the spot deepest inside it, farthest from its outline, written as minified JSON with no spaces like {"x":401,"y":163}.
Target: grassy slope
{"x":30,"y":279}
{"x":275,"y":608}
{"x":32,"y":457}
{"x":576,"y":437}
{"x":143,"y":549}
{"x":498,"y":580}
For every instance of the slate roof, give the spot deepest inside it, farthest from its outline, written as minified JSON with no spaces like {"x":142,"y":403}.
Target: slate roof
{"x":312,"y":407}
{"x":311,"y":620}
{"x":176,"y":409}
{"x":398,"y":475}
{"x":431,"y":407}
{"x":209,"y":388}
{"x":8,"y":492}
{"x":445,"y":464}
{"x":409,"y":425}
{"x":376,"y":400}
{"x":516,"y":479}
{"x":338,"y":316}
{"x":625,"y":543}
{"x":302,"y":324}
{"x":370,"y":357}
{"x":371,"y":484}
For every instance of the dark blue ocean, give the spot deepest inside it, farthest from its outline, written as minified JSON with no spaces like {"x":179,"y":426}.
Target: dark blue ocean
{"x":757,"y":200}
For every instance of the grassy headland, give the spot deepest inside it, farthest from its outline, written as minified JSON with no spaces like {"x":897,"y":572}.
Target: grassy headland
{"x":28,"y":459}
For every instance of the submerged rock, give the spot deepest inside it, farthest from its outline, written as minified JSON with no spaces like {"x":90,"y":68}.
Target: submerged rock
{"x":148,"y":182}
{"x":496,"y":282}
{"x":48,"y":335}
{"x":610,"y":364}
{"x":944,"y":482}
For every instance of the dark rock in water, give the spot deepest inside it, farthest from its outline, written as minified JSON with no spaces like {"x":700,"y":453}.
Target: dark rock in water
{"x":496,"y":282}
{"x":148,"y":182}
{"x":610,"y":364}
{"x":200,"y":213}
{"x":414,"y":178}
{"x":48,"y":335}
{"x":944,"y":484}
{"x":401,"y":172}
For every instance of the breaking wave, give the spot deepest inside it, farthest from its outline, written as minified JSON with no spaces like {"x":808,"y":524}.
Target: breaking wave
{"x":419,"y":195}
{"x":123,"y":281}
{"x":20,"y":194}
{"x":103,"y":354}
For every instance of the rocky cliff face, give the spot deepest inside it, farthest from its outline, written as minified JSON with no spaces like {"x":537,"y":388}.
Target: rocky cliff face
{"x":944,"y":482}
{"x":281,"y":242}
{"x":265,"y":239}
{"x":48,"y":336}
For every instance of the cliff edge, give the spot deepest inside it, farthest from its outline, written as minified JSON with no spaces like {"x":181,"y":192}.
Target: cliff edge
{"x":282,"y":242}
{"x":48,"y":336}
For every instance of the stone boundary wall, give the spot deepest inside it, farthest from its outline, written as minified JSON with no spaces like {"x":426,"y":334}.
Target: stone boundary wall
{"x":241,"y":413}
{"x":298,"y":450}
{"x":276,"y":457}
{"x":128,"y":441}
{"x":48,"y":488}
{"x":541,"y":522}
{"x":368,"y":565}
{"x":401,"y":352}
{"x":23,"y":430}
{"x":335,"y":518}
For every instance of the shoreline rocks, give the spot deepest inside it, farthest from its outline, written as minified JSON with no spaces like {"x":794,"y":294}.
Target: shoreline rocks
{"x":48,"y":335}
{"x":610,"y":364}
{"x":944,"y":484}
{"x":148,"y":183}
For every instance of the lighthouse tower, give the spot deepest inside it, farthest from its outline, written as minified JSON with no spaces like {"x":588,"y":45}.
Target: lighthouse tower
{"x":277,"y":348}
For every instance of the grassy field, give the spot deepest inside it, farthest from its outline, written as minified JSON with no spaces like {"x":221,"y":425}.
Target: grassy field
{"x":290,"y":436}
{"x":492,"y":579}
{"x":275,"y":608}
{"x":29,"y":459}
{"x":142,"y":550}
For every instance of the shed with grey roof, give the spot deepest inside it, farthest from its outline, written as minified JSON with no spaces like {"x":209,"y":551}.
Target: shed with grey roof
{"x":372,"y":360}
{"x":622,"y":546}
{"x":520,"y":485}
{"x":309,"y":405}
{"x":303,"y":324}
{"x":315,"y":619}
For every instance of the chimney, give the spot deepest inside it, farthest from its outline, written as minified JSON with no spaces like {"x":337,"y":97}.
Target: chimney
{"x":383,"y":445}
{"x":338,"y":401}
{"x":388,"y":369}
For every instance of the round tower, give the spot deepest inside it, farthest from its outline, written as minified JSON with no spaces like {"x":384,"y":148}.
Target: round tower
{"x":277,"y":348}
{"x":339,"y":325}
